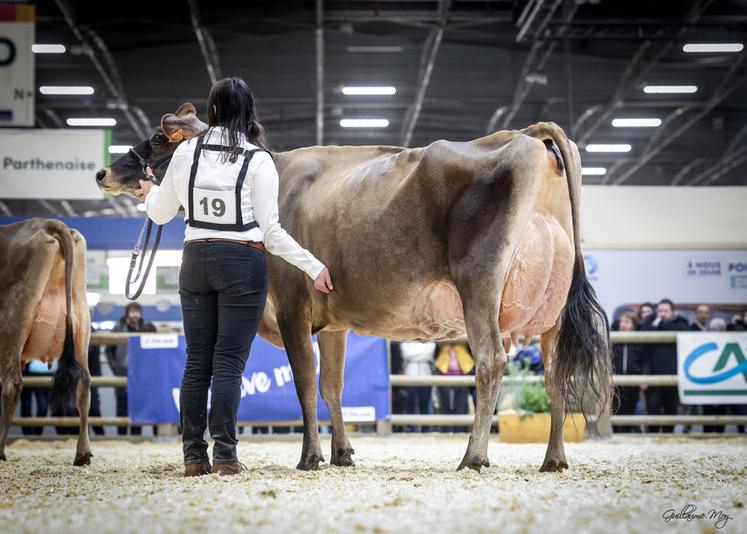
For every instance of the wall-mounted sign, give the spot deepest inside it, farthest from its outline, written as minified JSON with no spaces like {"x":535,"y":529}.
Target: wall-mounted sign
{"x":52,"y":164}
{"x":16,"y":65}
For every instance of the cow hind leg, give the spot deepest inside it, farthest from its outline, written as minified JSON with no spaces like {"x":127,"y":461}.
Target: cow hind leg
{"x":555,"y":456}
{"x":332,"y":349}
{"x":297,"y":340}
{"x":490,"y":362}
{"x":10,"y":393}
{"x":83,"y":403}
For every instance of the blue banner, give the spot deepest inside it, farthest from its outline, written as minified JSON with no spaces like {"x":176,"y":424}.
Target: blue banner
{"x":156,"y":363}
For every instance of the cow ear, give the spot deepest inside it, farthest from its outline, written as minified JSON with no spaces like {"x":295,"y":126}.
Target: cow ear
{"x":186,"y":109}
{"x":183,"y":124}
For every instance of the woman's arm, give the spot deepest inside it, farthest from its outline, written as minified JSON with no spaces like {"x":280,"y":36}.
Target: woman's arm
{"x":161,"y":202}
{"x":276,"y":239}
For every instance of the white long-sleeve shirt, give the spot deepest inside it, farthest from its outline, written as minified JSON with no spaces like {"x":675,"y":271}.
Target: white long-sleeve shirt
{"x":259,"y":198}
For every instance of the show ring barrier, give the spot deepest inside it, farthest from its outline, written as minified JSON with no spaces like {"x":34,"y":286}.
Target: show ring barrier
{"x":415,"y":381}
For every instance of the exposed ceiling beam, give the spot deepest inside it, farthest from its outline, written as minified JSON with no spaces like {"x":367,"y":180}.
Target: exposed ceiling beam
{"x":685,"y":170}
{"x":5,"y":209}
{"x":663,"y":139}
{"x":110,"y":74}
{"x":535,"y":61}
{"x":319,"y":36}
{"x":427,"y":60}
{"x":737,"y":160}
{"x":205,"y":40}
{"x":630,"y":78}
{"x":68,"y":208}
{"x":731,"y":157}
{"x":47,"y":205}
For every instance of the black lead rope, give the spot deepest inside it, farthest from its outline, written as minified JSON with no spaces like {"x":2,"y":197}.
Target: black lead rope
{"x":141,"y":246}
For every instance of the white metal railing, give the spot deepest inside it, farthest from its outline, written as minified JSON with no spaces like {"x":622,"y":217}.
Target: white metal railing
{"x":100,"y":338}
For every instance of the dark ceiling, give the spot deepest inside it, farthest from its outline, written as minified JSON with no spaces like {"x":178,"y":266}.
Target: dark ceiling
{"x":461,"y":69}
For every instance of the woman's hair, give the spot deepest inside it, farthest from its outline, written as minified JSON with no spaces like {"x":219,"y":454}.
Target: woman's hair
{"x":231,"y":105}
{"x":633,"y":319}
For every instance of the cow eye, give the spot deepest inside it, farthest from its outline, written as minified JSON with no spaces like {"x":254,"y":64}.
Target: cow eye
{"x":159,"y":139}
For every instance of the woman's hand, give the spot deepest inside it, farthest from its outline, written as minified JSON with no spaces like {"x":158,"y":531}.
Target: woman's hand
{"x":145,"y":186}
{"x":323,"y":282}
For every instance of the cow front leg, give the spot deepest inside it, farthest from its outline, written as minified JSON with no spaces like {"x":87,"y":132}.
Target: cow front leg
{"x":297,"y":340}
{"x":332,"y":363}
{"x":83,"y":403}
{"x":11,"y":386}
{"x":555,"y":456}
{"x":481,"y":321}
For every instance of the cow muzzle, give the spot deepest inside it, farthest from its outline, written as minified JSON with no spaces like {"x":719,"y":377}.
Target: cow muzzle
{"x":106,"y":182}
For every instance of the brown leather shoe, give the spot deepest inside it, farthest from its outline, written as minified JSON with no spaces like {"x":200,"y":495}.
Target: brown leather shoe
{"x":229,"y":469}
{"x":196,"y":470}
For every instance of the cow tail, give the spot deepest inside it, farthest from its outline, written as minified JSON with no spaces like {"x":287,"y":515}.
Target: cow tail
{"x":582,"y":370}
{"x":69,"y":371}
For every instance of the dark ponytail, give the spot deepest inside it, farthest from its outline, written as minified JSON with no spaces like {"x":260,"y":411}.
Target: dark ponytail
{"x":231,"y":105}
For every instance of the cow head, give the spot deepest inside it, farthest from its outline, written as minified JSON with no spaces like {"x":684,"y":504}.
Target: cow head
{"x":122,"y":176}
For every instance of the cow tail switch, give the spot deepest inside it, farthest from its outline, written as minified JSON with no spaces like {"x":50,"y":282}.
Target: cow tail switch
{"x":583,"y":369}
{"x":68,"y":371}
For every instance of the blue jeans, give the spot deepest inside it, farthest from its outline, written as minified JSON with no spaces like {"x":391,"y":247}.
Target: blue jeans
{"x":223,"y":287}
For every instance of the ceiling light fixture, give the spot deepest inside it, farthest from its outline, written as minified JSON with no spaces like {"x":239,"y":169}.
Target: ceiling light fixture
{"x":369,"y":90}
{"x":375,"y":49}
{"x":103,"y":121}
{"x":48,"y":48}
{"x":364,"y":123}
{"x":66,"y":90}
{"x":636,"y":123}
{"x":670,"y":89}
{"x":712,"y":47}
{"x":593,"y":171}
{"x":609,"y":147}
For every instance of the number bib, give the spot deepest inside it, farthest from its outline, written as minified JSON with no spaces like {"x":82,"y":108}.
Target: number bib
{"x":218,"y":209}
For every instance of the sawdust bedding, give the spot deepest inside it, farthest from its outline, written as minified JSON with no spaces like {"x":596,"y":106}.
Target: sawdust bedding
{"x":402,"y":483}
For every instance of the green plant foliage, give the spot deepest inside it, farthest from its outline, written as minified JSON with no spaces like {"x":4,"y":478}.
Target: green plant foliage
{"x":534,"y":399}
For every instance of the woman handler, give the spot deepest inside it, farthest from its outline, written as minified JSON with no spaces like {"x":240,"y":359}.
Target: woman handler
{"x":228,"y":184}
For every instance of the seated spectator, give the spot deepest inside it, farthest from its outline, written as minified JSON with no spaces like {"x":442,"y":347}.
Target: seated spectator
{"x":454,"y":359}
{"x":702,"y":314}
{"x":738,"y":324}
{"x":417,"y":359}
{"x":661,"y":359}
{"x":717,"y":324}
{"x":626,"y":360}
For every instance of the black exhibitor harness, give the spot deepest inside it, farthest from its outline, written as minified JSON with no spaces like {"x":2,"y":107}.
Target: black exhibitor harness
{"x":218,"y":207}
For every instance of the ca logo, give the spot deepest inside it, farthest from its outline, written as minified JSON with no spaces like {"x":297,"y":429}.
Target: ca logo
{"x":718,"y":374}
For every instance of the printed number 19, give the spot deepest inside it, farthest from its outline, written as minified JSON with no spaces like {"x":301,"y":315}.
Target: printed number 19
{"x":219,"y":207}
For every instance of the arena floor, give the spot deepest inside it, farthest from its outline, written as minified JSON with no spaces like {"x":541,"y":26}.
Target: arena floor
{"x":403,"y":483}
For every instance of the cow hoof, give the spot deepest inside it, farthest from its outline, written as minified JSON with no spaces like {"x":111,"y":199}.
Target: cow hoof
{"x":343,"y":458}
{"x":310,"y":462}
{"x":82,"y":459}
{"x":553,"y":465}
{"x":2,"y":457}
{"x":475,"y":463}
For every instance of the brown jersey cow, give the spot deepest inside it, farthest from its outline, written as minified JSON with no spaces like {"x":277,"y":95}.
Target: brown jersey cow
{"x":478,"y":238}
{"x":44,"y":316}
